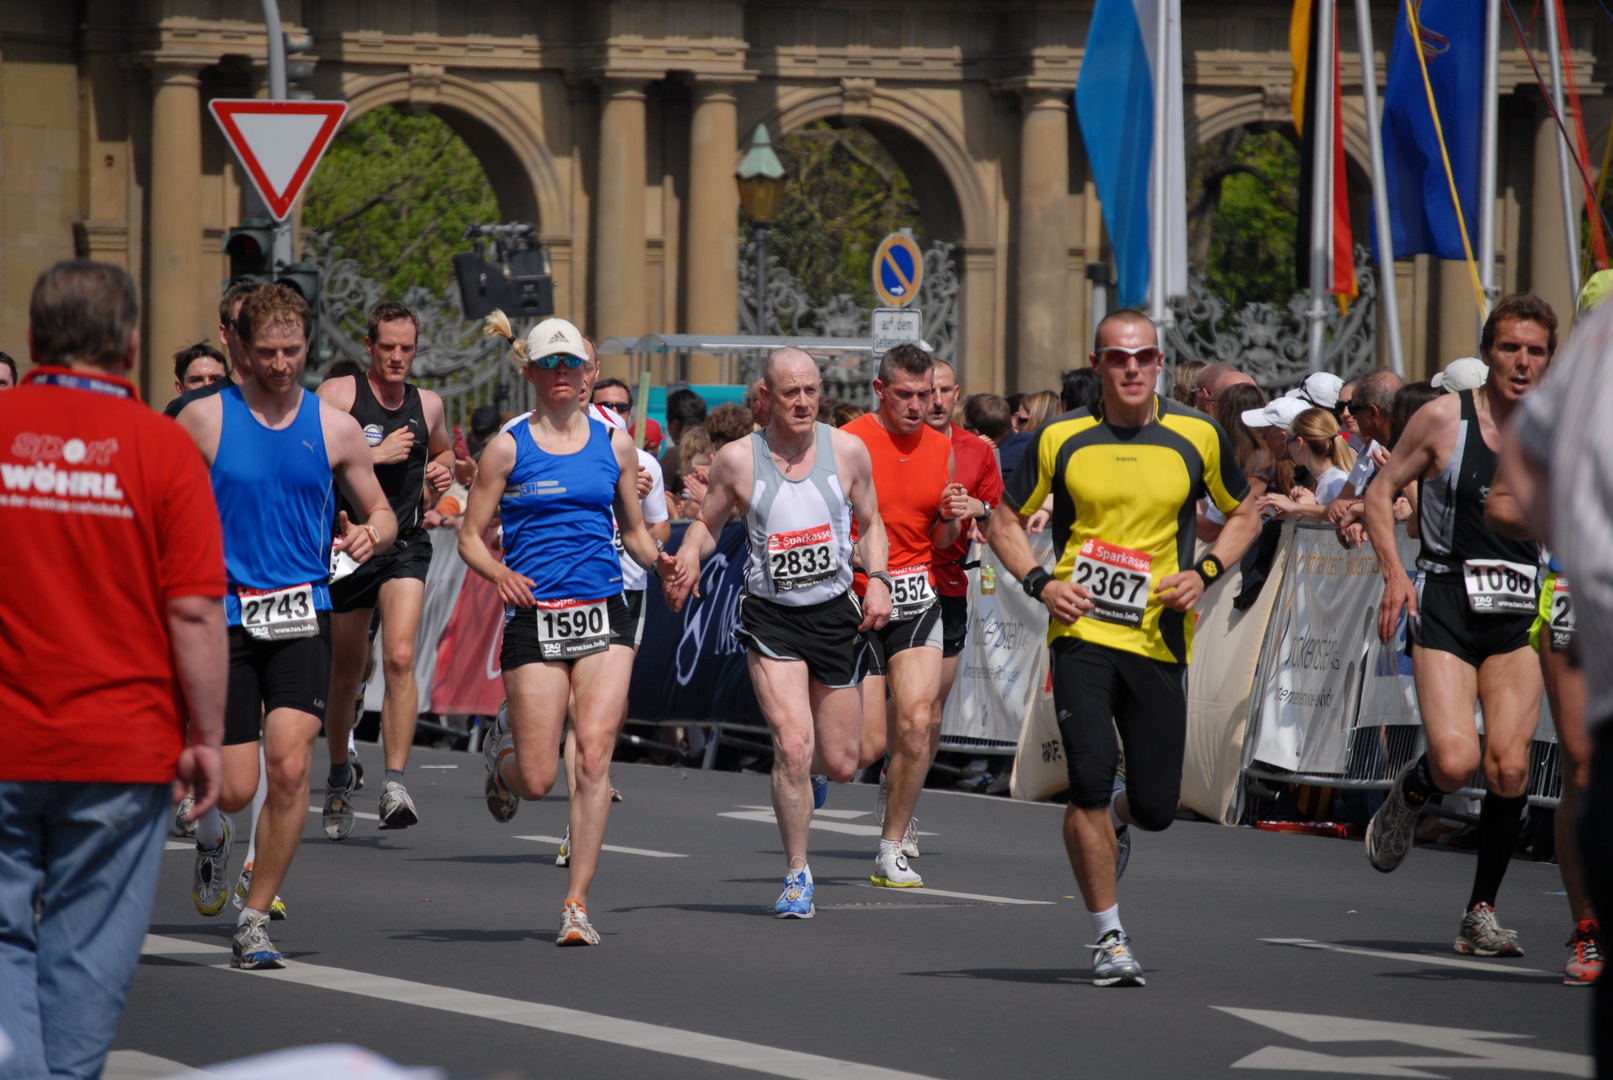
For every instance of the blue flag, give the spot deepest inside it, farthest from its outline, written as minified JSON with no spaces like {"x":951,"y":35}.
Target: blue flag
{"x":1422,"y":217}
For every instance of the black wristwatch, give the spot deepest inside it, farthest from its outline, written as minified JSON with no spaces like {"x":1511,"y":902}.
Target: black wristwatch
{"x":1035,"y":581}
{"x":880,"y":575}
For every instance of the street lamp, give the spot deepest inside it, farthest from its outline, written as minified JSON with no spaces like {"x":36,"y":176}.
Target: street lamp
{"x":761,"y":195}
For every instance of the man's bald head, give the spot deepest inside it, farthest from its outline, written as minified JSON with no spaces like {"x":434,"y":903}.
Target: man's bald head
{"x":1229,"y":380}
{"x":1204,"y":386}
{"x":788,"y":359}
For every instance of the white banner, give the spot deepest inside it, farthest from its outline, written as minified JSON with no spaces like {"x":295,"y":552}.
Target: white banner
{"x":1388,"y":694}
{"x":1004,"y":662}
{"x":443,"y":582}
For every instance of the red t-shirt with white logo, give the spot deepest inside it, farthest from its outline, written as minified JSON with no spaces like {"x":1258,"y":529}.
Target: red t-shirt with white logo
{"x":107,"y":513}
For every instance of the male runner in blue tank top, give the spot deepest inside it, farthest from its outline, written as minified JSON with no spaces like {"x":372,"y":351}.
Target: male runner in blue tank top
{"x":277,"y":456}
{"x":409,"y":445}
{"x":1469,"y":613}
{"x":797,"y":483}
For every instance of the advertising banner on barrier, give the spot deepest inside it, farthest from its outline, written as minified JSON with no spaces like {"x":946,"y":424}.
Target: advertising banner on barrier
{"x":1388,"y":694}
{"x":443,"y":583}
{"x":1004,"y":661}
{"x":1327,"y":606}
{"x":469,"y":681}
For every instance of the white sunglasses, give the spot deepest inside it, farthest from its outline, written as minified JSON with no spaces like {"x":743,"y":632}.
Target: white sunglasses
{"x":1145,"y":354}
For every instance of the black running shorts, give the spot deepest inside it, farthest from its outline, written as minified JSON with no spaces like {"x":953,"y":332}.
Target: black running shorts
{"x":521,"y":644}
{"x":954,"y":624}
{"x":824,"y":636}
{"x":1445,"y":623}
{"x":408,"y":557}
{"x":1097,"y":689}
{"x":635,"y":611}
{"x":921,"y":631}
{"x":270,"y":675}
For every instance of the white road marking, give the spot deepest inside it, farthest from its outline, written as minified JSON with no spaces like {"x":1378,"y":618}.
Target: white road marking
{"x":561,"y":1021}
{"x":1460,"y":1048}
{"x":356,"y":813}
{"x":765,"y":815}
{"x":437,"y":766}
{"x":179,"y":845}
{"x":555,"y":840}
{"x":843,"y":815}
{"x":927,"y":891}
{"x":136,"y":1065}
{"x":1413,"y":958}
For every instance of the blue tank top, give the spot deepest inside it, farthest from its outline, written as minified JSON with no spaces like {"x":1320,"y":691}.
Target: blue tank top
{"x":276,"y":499}
{"x":558,"y":526}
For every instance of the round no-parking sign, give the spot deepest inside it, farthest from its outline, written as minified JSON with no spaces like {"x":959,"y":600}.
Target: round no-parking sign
{"x":898,"y":270}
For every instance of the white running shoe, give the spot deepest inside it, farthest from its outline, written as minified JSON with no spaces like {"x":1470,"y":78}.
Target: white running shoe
{"x":501,"y":802}
{"x":1113,"y":963}
{"x":1393,"y":828}
{"x":910,"y":839}
{"x":252,"y":947}
{"x":182,"y":827}
{"x":243,"y":889}
{"x":563,"y":856}
{"x":209,"y":888}
{"x":1482,"y":935}
{"x":337,"y":816}
{"x":575,"y":929}
{"x":891,"y":870}
{"x":397,"y":809}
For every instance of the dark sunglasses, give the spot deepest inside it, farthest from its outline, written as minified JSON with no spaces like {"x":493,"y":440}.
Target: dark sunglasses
{"x":549,"y":363}
{"x":621,"y":407}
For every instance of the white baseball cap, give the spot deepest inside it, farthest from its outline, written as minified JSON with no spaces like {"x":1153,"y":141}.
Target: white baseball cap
{"x":1278,"y":413}
{"x":1320,"y":388}
{"x":553,"y":337}
{"x":1468,"y":373}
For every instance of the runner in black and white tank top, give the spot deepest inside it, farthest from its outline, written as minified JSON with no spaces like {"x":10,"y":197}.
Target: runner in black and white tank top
{"x":403,"y":481}
{"x":799,"y":530}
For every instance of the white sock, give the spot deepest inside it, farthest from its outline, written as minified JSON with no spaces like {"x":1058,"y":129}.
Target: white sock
{"x":210,"y":830}
{"x":247,"y":913}
{"x":890,"y":845}
{"x":259,"y":797}
{"x":804,"y":872}
{"x":1104,"y":922}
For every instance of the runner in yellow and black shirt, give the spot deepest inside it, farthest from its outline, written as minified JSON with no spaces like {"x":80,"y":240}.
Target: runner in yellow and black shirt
{"x":1125,"y":478}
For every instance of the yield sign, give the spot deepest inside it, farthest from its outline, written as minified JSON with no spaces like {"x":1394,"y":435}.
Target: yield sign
{"x":278,"y":142}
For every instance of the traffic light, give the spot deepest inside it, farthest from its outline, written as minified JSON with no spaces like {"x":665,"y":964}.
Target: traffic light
{"x":299,"y":63}
{"x":250,"y":247}
{"x":304,"y":277}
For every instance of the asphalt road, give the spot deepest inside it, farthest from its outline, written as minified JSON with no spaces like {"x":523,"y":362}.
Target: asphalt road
{"x":434,"y":947}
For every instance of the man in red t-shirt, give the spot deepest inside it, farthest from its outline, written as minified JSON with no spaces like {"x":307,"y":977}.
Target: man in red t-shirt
{"x":112,"y":666}
{"x":922,"y":509}
{"x":974,"y":467}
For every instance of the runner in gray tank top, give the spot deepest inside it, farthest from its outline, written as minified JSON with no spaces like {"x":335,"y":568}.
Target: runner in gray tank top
{"x":797,"y":483}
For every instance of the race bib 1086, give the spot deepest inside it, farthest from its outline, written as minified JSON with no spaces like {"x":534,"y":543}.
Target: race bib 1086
{"x":570,"y":629}
{"x":1119,"y":580}
{"x":1498,"y":587}
{"x":911,"y":595}
{"x":279,"y":614}
{"x":801,"y":558}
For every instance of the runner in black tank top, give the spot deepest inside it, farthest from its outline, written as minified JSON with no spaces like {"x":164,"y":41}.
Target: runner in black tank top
{"x":410,"y":446}
{"x":1470,"y":609}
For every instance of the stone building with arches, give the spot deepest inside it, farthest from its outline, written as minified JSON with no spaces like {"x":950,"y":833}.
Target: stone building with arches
{"x":616,"y":126}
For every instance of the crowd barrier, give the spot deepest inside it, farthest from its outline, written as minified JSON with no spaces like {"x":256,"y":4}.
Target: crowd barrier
{"x":1297,"y":688}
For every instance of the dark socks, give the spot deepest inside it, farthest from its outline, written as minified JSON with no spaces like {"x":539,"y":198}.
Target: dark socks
{"x":340,"y":776}
{"x":1500,"y":821}
{"x":1419,"y":786}
{"x":393,"y":776}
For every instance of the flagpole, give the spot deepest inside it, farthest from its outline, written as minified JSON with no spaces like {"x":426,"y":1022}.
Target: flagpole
{"x":1157,"y":180}
{"x":1488,"y":151}
{"x":1321,"y":79}
{"x":1388,"y":294}
{"x":1570,"y":218}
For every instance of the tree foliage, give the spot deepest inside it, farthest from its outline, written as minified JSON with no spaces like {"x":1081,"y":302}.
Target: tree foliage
{"x":843,"y":194}
{"x":1243,"y":210}
{"x":397,"y":191}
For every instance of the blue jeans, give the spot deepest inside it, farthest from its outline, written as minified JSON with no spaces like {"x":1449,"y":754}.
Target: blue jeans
{"x":89,"y":855}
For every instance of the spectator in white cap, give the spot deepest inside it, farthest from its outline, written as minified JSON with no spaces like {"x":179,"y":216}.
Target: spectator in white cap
{"x":1320,"y":388}
{"x":1271,"y":423}
{"x":1468,"y":373}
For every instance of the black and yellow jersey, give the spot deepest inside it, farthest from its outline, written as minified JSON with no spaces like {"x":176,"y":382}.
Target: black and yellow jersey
{"x":1124,"y":515}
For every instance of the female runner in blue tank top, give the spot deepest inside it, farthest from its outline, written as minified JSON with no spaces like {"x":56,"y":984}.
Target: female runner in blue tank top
{"x":555,"y":481}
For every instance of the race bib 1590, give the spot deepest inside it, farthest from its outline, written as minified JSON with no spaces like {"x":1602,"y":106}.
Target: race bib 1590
{"x":569,"y":629}
{"x":801,"y":558}
{"x":911,"y":595}
{"x":1498,"y":587}
{"x":1119,"y":580}
{"x":279,"y":614}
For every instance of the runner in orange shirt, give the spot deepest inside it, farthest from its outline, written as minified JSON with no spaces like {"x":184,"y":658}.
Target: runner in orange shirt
{"x":922,"y":509}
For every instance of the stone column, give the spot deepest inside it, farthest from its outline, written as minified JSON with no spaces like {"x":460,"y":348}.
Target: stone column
{"x":1548,"y":255}
{"x":712,"y":244}
{"x":1043,"y":287}
{"x":173,"y":280}
{"x":1458,"y":314}
{"x":619,"y":278}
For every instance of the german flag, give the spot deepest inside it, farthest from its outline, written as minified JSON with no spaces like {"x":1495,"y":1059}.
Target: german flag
{"x":1302,"y":45}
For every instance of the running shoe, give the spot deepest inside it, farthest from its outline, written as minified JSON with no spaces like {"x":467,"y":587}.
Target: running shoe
{"x":243,"y":889}
{"x":182,"y":827}
{"x":1585,"y":959}
{"x":1393,"y":828}
{"x":1482,"y":935}
{"x":615,"y":796}
{"x":358,"y":769}
{"x":563,"y":856}
{"x":820,"y":791}
{"x":575,"y":929}
{"x":795,"y":902}
{"x":212,"y":867}
{"x":910,"y":839}
{"x":252,"y":948}
{"x":891,"y":870}
{"x":337,"y":816}
{"x":1113,"y":963}
{"x":397,"y":809}
{"x":501,"y":802}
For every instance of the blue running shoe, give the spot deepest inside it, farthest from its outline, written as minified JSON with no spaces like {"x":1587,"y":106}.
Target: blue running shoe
{"x":820,"y":790}
{"x":795,"y":902}
{"x":252,"y":948}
